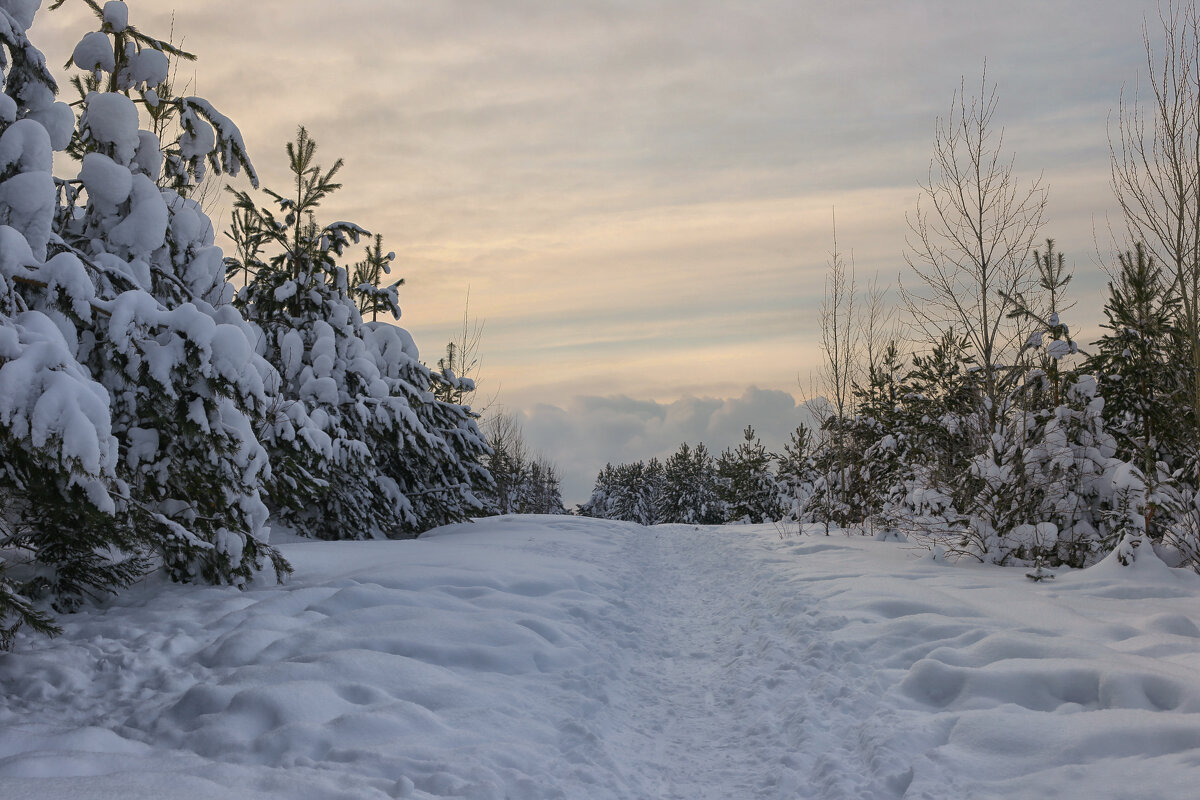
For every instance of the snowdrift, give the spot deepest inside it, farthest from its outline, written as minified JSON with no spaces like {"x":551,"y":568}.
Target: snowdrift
{"x":543,"y":657}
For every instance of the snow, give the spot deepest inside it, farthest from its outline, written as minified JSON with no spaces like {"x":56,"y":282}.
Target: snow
{"x":1061,"y":348}
{"x":94,"y":52}
{"x":574,"y":658}
{"x":59,"y":121}
{"x":46,"y":396}
{"x":115,"y":15}
{"x":112,"y":119}
{"x":143,"y":230}
{"x":27,"y":199}
{"x":108,"y":183}
{"x":148,"y":67}
{"x":27,"y":204}
{"x":22,"y":11}
{"x":25,"y":145}
{"x":149,"y":156}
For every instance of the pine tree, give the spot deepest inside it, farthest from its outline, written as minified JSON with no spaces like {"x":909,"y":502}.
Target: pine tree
{"x":796,"y":475}
{"x":185,"y":424}
{"x":540,"y":493}
{"x":629,"y":496}
{"x":367,"y":279}
{"x":1143,"y":386}
{"x":599,"y":505}
{"x":1039,"y":487}
{"x":145,"y":385}
{"x":360,"y":445}
{"x":677,"y":498}
{"x":707,"y":500}
{"x":748,"y":487}
{"x":931,"y":436}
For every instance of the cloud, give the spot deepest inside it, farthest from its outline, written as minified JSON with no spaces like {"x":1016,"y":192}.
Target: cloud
{"x":638,"y":194}
{"x":591,"y":430}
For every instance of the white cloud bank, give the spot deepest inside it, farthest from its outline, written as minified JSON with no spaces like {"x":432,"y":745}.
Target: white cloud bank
{"x":591,"y":431}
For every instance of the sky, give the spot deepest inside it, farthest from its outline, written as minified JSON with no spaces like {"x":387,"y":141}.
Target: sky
{"x":638,"y":196}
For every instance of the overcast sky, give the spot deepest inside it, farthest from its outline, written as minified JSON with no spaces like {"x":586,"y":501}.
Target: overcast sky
{"x":638,"y":193}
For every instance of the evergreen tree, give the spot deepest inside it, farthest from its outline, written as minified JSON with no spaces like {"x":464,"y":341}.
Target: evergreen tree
{"x":630,"y":494}
{"x":367,"y":279}
{"x":690,"y":489}
{"x":748,"y":487}
{"x":796,"y":475}
{"x":1144,"y":389}
{"x":130,"y":391}
{"x":521,"y":483}
{"x":541,"y":491}
{"x":360,"y":444}
{"x":185,"y":424}
{"x":1037,"y":492}
{"x":877,"y":436}
{"x":931,"y":437}
{"x":707,"y":503}
{"x":600,"y":504}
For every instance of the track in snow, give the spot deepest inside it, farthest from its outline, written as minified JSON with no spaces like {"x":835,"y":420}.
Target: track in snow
{"x":736,"y":689}
{"x":564,"y":658}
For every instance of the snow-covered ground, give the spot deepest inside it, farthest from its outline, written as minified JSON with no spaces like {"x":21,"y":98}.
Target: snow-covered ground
{"x":528,"y":657}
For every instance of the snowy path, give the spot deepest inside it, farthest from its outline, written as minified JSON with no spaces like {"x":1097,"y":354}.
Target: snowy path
{"x":562,"y":658}
{"x":732,"y":693}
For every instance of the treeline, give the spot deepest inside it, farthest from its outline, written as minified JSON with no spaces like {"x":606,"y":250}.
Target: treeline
{"x":522,"y":482}
{"x":159,"y":403}
{"x":744,"y":484}
{"x":988,"y":431}
{"x":997,"y":437}
{"x":1064,"y":458}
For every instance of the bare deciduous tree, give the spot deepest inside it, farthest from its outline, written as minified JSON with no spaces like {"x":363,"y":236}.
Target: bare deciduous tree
{"x":839,"y":350}
{"x":1156,"y":168}
{"x":461,"y":364}
{"x":877,"y":326}
{"x":971,"y":239}
{"x":839,"y":332}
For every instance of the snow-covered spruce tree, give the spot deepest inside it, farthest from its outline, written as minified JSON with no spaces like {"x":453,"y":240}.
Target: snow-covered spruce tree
{"x":932,"y":437}
{"x":796,"y":475}
{"x":635,"y":490}
{"x":1143,"y":385}
{"x":177,"y":358}
{"x":1037,"y":490}
{"x":690,"y":491}
{"x":360,"y":445}
{"x":599,"y":505}
{"x":159,"y":450}
{"x":748,"y":487}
